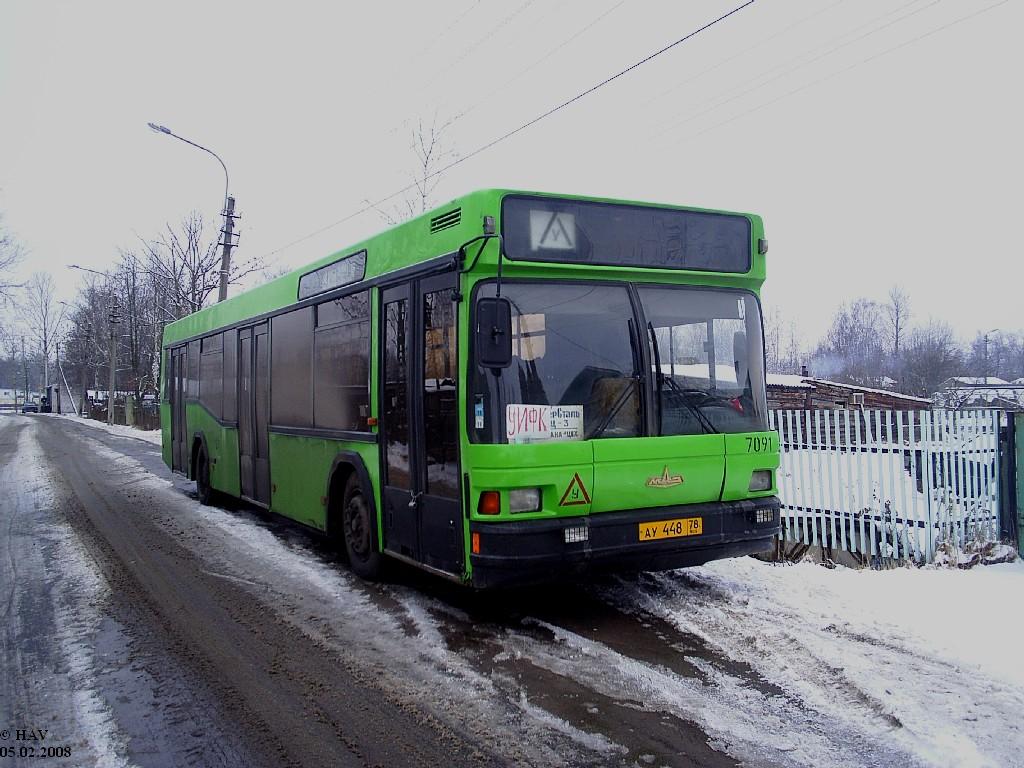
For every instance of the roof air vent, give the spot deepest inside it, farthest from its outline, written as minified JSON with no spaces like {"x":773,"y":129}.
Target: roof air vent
{"x":445,"y":220}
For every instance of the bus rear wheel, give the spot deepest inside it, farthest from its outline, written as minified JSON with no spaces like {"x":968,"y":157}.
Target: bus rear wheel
{"x":204,"y":490}
{"x":359,"y":526}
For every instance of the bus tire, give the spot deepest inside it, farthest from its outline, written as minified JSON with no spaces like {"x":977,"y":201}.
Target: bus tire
{"x":359,"y":527}
{"x":204,"y":490}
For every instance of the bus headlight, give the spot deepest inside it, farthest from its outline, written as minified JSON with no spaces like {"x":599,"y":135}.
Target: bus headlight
{"x":524,"y":500}
{"x":761,"y":480}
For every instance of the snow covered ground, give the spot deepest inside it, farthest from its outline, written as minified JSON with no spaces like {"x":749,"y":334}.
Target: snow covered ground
{"x":789,"y":665}
{"x":153,"y":436}
{"x":927,"y":658}
{"x":866,"y":665}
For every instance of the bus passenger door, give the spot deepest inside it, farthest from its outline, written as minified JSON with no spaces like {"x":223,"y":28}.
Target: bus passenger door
{"x":419,"y":410}
{"x":245,"y":409}
{"x":437,"y":426}
{"x":178,"y":373}
{"x":254,"y":413}
{"x":401,"y":533}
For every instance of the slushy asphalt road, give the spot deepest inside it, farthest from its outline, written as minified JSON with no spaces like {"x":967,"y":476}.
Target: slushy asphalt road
{"x":141,"y":628}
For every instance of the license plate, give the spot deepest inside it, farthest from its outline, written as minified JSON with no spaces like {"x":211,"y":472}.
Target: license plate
{"x":671,"y":529}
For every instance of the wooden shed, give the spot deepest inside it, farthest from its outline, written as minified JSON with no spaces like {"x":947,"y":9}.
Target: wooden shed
{"x":787,"y":391}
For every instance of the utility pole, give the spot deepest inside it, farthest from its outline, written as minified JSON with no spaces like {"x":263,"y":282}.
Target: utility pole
{"x":115,"y":318}
{"x":24,"y":365}
{"x":229,"y":208}
{"x":228,"y":244}
{"x":986,"y":371}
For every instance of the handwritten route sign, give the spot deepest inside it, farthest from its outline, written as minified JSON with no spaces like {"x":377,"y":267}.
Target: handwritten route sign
{"x":543,"y":423}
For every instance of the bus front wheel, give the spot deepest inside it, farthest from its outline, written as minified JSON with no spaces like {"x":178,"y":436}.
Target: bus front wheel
{"x":359,"y":525}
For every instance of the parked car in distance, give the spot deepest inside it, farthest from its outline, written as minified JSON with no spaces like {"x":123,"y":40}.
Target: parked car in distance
{"x":30,"y":408}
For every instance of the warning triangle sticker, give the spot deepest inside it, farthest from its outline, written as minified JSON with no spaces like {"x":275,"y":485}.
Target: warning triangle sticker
{"x":556,"y":235}
{"x":575,"y":494}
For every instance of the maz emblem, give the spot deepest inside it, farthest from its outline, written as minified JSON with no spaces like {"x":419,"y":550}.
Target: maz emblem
{"x":665,"y":481}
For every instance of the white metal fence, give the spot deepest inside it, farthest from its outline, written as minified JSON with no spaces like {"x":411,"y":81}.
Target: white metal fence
{"x":888,"y":484}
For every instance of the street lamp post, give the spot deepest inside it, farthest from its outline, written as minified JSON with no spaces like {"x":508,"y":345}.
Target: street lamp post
{"x":229,"y":211}
{"x":994,"y":330}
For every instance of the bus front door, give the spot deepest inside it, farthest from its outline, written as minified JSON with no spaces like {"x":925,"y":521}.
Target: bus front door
{"x":178,"y":378}
{"x":253,"y":413}
{"x":419,"y":420}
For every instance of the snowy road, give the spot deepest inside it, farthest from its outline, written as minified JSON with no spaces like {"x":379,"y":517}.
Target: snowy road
{"x":140,"y":628}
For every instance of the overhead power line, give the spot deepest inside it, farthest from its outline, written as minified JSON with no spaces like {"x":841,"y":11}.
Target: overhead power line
{"x":468,"y":51}
{"x":483,"y":148}
{"x":763,"y":82}
{"x":498,"y":89}
{"x":583,"y":30}
{"x":438,"y":36}
{"x":745,"y":50}
{"x":843,"y":71}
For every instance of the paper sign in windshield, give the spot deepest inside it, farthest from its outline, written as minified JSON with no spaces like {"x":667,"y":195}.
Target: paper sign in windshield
{"x":543,"y":423}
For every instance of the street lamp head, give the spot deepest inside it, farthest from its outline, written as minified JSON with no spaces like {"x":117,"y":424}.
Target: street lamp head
{"x":158,"y":128}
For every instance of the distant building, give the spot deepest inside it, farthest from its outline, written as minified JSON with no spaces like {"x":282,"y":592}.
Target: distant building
{"x":14,"y":398}
{"x":980,"y":392}
{"x":790,"y":391}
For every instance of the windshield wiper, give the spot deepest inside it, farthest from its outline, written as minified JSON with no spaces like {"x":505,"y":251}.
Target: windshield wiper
{"x":676,"y":387}
{"x":684,"y":395}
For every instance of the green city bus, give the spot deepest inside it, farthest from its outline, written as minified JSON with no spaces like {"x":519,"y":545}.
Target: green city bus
{"x":512,"y":388}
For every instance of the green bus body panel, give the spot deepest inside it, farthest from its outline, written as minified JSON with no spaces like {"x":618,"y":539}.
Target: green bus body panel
{"x":613,"y":473}
{"x":617,"y":473}
{"x":221,"y":443}
{"x":299,"y":469}
{"x":550,"y":467}
{"x":165,"y":430}
{"x":741,"y":463}
{"x":624,"y":468}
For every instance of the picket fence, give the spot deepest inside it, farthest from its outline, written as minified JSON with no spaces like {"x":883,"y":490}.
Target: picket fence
{"x":888,"y":485}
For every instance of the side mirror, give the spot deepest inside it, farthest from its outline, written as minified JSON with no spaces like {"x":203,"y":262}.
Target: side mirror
{"x":494,"y":332}
{"x":741,"y":357}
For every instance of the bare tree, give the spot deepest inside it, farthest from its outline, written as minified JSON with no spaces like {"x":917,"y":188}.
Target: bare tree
{"x":87,"y":349}
{"x":432,"y":148}
{"x":432,"y":152}
{"x":931,"y":356}
{"x":853,"y":350}
{"x":773,"y":340}
{"x":185,"y":267}
{"x":897,"y":314}
{"x":10,"y":256}
{"x":163,"y":280}
{"x":43,"y":316}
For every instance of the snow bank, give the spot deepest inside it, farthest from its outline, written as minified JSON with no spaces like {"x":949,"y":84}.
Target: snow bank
{"x":970,"y":618}
{"x":153,"y":436}
{"x":928,"y":657}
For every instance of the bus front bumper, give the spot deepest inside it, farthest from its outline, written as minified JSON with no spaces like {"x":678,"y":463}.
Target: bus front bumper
{"x":531,"y":551}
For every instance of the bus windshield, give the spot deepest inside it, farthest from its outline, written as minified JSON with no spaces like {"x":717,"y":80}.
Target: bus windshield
{"x":707,"y":360}
{"x":577,"y":374}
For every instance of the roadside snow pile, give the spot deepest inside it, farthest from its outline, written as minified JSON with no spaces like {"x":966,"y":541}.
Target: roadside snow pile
{"x":153,"y":436}
{"x":948,"y":555}
{"x":928,"y":655}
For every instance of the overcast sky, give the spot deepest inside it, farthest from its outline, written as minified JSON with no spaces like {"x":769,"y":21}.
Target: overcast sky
{"x":879,"y":140}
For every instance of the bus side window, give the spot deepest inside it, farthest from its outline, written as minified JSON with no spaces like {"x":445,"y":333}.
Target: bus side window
{"x":341,"y":375}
